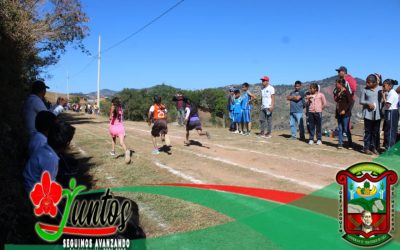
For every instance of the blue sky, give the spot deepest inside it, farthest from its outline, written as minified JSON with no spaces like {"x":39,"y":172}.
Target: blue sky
{"x":211,"y":43}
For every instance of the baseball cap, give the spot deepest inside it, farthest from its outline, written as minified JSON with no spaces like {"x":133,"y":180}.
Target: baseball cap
{"x":38,"y":86}
{"x":342,"y":68}
{"x":264,"y":78}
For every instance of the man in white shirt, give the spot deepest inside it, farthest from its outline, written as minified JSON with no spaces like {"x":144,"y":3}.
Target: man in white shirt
{"x":267,"y":107}
{"x":34,"y":104}
{"x":391,"y":101}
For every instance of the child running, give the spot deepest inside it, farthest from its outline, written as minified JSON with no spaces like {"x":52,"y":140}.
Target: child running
{"x":371,"y":100}
{"x":237,"y":110}
{"x":192,"y":121}
{"x":344,"y":102}
{"x":390,"y":99}
{"x":117,"y":129}
{"x":317,"y":102}
{"x":247,"y":98}
{"x":158,"y":113}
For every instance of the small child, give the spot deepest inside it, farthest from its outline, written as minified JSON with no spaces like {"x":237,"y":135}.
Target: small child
{"x":317,"y":102}
{"x":390,"y":99}
{"x":371,"y":101}
{"x":247,"y":98}
{"x":59,"y":107}
{"x":230,"y":109}
{"x":192,"y":121}
{"x":117,"y":129}
{"x":237,"y":110}
{"x":344,"y":102}
{"x":158,"y":112}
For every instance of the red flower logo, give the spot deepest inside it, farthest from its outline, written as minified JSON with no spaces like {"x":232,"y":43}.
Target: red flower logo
{"x":46,"y":195}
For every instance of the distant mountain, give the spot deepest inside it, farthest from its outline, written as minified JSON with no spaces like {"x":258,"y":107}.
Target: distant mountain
{"x":103,"y":92}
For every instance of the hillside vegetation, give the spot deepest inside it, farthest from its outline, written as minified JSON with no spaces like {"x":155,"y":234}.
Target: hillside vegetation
{"x":214,"y":101}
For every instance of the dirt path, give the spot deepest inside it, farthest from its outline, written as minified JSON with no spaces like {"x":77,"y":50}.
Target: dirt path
{"x":276,"y":163}
{"x":229,"y":159}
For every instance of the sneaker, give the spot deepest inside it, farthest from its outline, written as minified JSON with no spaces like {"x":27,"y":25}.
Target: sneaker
{"x":268,"y":135}
{"x":167,"y":140}
{"x":350,"y":146}
{"x":236,"y":132}
{"x":319,"y":142}
{"x":127,"y":156}
{"x":368,"y":152}
{"x":155,"y":151}
{"x":310,"y":142}
{"x":208,"y":135}
{"x":112,"y":153}
{"x":247,"y":133}
{"x":374,"y":151}
{"x":340,"y":146}
{"x":293,"y":138}
{"x":186,"y":143}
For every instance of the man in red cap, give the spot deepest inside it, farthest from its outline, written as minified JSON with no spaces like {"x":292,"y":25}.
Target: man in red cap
{"x":267,"y":107}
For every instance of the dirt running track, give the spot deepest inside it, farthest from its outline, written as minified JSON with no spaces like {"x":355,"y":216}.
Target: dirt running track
{"x":230,"y":159}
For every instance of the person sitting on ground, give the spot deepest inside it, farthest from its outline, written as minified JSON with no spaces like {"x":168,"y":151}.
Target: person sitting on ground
{"x":34,"y":104}
{"x":44,"y":121}
{"x":117,"y":129}
{"x":46,"y":157}
{"x":59,"y":107}
{"x":344,"y":102}
{"x":158,"y":113}
{"x":192,"y":121}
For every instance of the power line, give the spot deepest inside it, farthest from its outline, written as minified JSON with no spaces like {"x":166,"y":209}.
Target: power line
{"x":129,"y":36}
{"x":84,"y":68}
{"x":143,"y":27}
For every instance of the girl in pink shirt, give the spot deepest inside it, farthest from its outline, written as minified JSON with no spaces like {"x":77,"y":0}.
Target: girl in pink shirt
{"x":317,"y":102}
{"x":117,"y":129}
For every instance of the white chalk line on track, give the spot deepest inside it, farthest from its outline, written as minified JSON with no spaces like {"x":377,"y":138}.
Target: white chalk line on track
{"x":256,"y":170}
{"x":179,"y":173}
{"x":261,"y":153}
{"x":144,"y":208}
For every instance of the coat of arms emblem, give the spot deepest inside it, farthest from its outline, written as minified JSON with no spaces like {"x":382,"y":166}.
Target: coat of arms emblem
{"x":367,"y":205}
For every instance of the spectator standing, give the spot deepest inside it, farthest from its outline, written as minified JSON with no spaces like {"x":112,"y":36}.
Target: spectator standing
{"x":267,"y":108}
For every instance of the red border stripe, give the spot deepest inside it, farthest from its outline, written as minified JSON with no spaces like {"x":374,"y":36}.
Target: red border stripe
{"x":80,"y":230}
{"x":267,"y":194}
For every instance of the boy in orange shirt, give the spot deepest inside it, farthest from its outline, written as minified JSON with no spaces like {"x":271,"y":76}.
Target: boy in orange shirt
{"x":158,"y":113}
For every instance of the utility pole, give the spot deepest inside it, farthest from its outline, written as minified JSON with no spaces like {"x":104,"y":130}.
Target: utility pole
{"x":98,"y":75}
{"x":67,"y":86}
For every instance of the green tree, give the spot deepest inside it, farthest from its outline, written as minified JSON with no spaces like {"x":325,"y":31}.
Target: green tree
{"x":33,"y":35}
